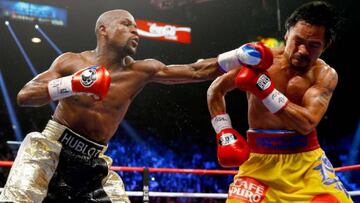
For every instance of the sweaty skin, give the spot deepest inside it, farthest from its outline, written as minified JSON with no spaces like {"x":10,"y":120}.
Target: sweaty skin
{"x":307,"y":81}
{"x":117,"y":38}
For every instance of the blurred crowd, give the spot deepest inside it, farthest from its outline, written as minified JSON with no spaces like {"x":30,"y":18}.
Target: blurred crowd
{"x":146,"y":150}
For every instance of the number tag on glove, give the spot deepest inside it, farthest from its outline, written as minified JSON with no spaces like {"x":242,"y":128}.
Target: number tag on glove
{"x":263,"y":82}
{"x":227,"y":139}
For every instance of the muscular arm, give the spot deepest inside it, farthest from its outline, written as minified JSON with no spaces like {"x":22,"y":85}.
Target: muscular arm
{"x":175,"y":74}
{"x":210,"y":68}
{"x":315,"y":102}
{"x":217,"y":91}
{"x":35,"y":92}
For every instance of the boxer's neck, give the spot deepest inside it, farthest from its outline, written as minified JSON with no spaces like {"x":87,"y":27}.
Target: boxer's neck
{"x":109,"y":58}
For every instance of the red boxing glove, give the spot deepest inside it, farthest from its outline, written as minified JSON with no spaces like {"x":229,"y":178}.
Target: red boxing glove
{"x":265,"y":55}
{"x":232,"y":148}
{"x":93,"y":81}
{"x":259,"y":83}
{"x":255,"y":55}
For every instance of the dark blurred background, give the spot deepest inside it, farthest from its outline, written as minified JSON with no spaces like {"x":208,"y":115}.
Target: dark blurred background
{"x":164,"y":120}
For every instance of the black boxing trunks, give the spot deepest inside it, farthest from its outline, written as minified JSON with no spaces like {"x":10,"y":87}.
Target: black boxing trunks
{"x":59,"y":165}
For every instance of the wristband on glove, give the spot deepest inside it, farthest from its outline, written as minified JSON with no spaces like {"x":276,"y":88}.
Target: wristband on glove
{"x":60,"y":88}
{"x":220,"y":122}
{"x":235,"y":58}
{"x":275,"y":101}
{"x":228,"y":60}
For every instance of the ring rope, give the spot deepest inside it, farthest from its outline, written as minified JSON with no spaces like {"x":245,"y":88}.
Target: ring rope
{"x":179,"y":194}
{"x":192,"y":195}
{"x":192,"y":171}
{"x":175,"y":170}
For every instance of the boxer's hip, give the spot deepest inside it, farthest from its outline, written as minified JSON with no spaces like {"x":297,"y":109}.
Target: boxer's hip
{"x":59,"y":165}
{"x":285,"y":167}
{"x":281,"y":141}
{"x":72,"y":141}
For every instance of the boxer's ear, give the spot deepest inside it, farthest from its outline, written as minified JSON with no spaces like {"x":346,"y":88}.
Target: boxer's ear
{"x":102,"y":30}
{"x":327,"y":44}
{"x":286,"y":35}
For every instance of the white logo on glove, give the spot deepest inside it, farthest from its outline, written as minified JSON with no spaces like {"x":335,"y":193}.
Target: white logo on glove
{"x":88,"y":77}
{"x":245,"y":57}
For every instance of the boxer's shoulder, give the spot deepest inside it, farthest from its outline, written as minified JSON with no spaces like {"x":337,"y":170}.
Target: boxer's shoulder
{"x":278,"y":51}
{"x":72,"y":56}
{"x":71,"y":62}
{"x":146,"y":65}
{"x":321,"y":70}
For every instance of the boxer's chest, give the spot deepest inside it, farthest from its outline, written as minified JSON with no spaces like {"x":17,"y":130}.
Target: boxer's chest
{"x":293,"y":86}
{"x":296,"y":88}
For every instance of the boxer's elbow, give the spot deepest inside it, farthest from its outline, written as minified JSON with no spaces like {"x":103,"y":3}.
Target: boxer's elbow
{"x":306,"y":127}
{"x":26,"y":99}
{"x":304,"y":130}
{"x":214,"y":95}
{"x":210,"y":92}
{"x":21,"y":98}
{"x":299,"y":118}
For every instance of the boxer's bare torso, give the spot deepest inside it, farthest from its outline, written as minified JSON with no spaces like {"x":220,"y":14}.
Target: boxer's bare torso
{"x":300,"y":87}
{"x":98,"y":120}
{"x":307,"y":81}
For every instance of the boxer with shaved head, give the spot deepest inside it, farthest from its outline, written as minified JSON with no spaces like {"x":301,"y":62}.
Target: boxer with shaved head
{"x":66,"y":162}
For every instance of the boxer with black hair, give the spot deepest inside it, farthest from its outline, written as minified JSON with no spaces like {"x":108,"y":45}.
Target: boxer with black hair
{"x":286,"y":98}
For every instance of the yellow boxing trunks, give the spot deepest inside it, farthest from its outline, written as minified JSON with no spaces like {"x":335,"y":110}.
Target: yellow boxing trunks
{"x":286,"y":167}
{"x":59,"y":165}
